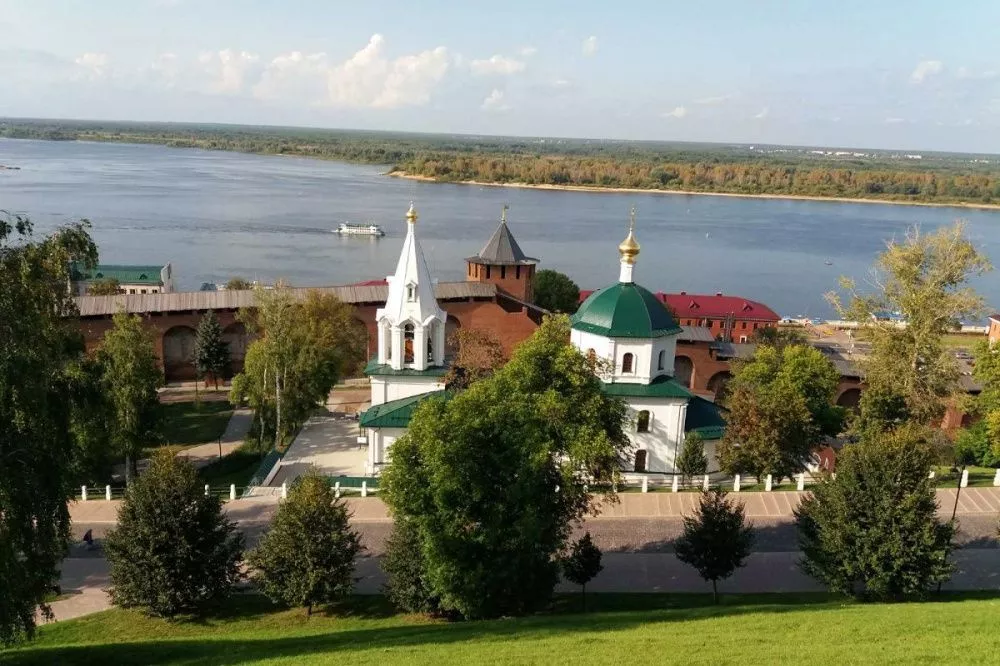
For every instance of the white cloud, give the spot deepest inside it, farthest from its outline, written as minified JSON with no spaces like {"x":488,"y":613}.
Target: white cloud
{"x":966,"y":73}
{"x":893,"y":120}
{"x":678,"y":112}
{"x":763,"y":113}
{"x":717,"y":99}
{"x":528,"y":51}
{"x":926,"y":69}
{"x":561,"y":83}
{"x":294,"y":76}
{"x":229,"y":71}
{"x":495,"y":101}
{"x":94,"y":64}
{"x":590,"y":45}
{"x":497,"y":64}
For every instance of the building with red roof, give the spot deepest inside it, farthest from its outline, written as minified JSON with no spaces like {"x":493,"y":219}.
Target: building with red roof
{"x":728,"y":318}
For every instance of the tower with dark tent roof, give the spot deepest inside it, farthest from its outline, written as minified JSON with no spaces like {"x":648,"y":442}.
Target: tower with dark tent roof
{"x":501,"y":262}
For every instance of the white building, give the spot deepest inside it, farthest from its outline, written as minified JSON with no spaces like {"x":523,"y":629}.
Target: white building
{"x":627,"y":328}
{"x":409,"y":365}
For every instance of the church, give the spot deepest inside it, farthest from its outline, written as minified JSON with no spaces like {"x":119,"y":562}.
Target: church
{"x":624,"y":326}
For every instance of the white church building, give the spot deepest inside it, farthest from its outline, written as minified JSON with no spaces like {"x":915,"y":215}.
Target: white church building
{"x":623,"y":324}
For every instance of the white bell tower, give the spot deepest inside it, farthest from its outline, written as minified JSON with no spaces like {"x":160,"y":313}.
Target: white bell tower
{"x":411,"y":326}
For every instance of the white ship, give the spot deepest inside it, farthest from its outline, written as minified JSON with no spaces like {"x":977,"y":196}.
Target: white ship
{"x":348,"y":229}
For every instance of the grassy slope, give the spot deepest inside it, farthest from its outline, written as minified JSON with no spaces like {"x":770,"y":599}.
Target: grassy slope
{"x":237,"y":467}
{"x":624,"y":628}
{"x":191,"y":423}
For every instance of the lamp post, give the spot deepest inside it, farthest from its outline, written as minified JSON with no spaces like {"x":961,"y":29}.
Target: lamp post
{"x":954,"y":509}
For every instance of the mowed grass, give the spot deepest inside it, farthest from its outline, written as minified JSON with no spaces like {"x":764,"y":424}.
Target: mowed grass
{"x":656,"y":629}
{"x":237,"y":467}
{"x":190,"y":423}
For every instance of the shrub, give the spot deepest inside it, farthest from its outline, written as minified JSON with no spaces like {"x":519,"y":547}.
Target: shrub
{"x":717,"y":538}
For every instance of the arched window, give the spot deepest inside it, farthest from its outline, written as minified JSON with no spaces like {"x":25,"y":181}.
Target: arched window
{"x":408,"y":343}
{"x":411,"y":292}
{"x":642,"y":425}
{"x":661,"y":359}
{"x":627,"y":360}
{"x":640,"y":460}
{"x":430,"y":343}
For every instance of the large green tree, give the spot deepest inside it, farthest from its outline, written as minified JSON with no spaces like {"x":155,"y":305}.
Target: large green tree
{"x":173,"y":550}
{"x":39,"y":339}
{"x":555,"y":292}
{"x":986,"y":369}
{"x":304,"y":345}
{"x":211,"y":353}
{"x":131,"y":376}
{"x":925,"y":279}
{"x":872,"y":531}
{"x":780,"y":406}
{"x":105,"y":287}
{"x":307,"y":557}
{"x":494,"y":479}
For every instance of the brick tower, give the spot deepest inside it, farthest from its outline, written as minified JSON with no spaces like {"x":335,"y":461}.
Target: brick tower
{"x":502,"y":263}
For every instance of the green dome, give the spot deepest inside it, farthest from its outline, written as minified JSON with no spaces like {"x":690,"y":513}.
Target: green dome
{"x":624,"y":310}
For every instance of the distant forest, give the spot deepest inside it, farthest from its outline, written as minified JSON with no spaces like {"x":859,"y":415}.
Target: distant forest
{"x":737,"y":169}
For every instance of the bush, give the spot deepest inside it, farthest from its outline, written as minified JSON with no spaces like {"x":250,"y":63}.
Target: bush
{"x":174,"y":550}
{"x":692,"y":461}
{"x":873,"y":532}
{"x":404,"y":565}
{"x":307,"y":557}
{"x":973,"y":446}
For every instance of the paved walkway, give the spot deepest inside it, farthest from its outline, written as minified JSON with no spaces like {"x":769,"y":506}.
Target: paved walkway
{"x":233,"y":437}
{"x":328,"y":442}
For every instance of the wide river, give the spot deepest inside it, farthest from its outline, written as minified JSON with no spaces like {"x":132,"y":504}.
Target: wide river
{"x":214,"y":215}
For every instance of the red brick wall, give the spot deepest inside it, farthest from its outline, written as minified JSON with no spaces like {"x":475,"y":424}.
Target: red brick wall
{"x":741,"y":327}
{"x":517,"y":283}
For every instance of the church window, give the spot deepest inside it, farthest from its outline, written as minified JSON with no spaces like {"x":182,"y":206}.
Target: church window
{"x":627,"y":361}
{"x":408,"y":335}
{"x":661,"y":359}
{"x":640,"y":460}
{"x":430,"y":345}
{"x":642,"y":425}
{"x":411,"y":292}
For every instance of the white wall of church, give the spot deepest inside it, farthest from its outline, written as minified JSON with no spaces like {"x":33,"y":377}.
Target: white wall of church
{"x":393,"y":387}
{"x":645,"y":355}
{"x":663,"y":441}
{"x":380,"y":441}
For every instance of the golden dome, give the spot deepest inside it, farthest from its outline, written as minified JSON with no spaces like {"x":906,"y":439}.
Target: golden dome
{"x":411,"y":215}
{"x":628,"y":249}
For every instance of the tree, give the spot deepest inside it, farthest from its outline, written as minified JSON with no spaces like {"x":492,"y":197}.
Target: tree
{"x":238,"y":284}
{"x":173,"y":551}
{"x":692,"y":461}
{"x":91,"y":412}
{"x":479,"y":355}
{"x":307,"y":557}
{"x":494,"y":478}
{"x":302,"y":348}
{"x":105,"y":287}
{"x":131,"y":375}
{"x":880,"y":409}
{"x":555,"y":292}
{"x":778,"y":337}
{"x":582,"y":564}
{"x":873,"y":531}
{"x":780,"y":405}
{"x":986,"y":369}
{"x":405,"y":567}
{"x":974,"y":446}
{"x":924,"y":280}
{"x":39,"y":338}
{"x":211,"y":353}
{"x":717,"y":539}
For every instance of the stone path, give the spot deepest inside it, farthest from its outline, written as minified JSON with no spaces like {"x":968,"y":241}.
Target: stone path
{"x":232,"y":439}
{"x":328,"y":442}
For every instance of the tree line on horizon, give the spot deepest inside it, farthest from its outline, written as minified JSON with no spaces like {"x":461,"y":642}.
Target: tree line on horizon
{"x":710,"y":168}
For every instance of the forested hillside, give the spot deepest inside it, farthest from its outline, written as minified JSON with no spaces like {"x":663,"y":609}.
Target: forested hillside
{"x":738,"y":169}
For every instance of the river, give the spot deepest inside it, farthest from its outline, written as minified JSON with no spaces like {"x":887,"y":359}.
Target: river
{"x":214,"y":215}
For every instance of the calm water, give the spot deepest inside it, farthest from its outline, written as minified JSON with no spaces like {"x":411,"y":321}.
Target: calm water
{"x":215,"y":215}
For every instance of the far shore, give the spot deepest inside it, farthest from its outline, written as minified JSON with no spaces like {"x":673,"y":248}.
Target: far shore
{"x":636,"y":190}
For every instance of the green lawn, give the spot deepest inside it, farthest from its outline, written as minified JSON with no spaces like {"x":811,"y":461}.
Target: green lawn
{"x":647,"y":629}
{"x":962,"y":340}
{"x":190,"y":423}
{"x":237,"y":467}
{"x":978,"y":476}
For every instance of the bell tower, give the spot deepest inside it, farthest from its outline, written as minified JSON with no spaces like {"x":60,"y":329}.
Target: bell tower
{"x":501,"y":262}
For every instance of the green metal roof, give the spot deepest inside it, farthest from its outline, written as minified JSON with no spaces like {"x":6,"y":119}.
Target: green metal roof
{"x":397,"y":413}
{"x":705,"y":418}
{"x":663,"y":386}
{"x":625,"y":310}
{"x":124,"y":274}
{"x":380,"y":369}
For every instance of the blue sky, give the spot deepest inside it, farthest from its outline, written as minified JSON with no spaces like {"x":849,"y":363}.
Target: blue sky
{"x":887,"y":74}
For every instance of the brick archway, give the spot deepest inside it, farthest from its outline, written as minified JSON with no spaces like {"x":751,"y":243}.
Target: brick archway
{"x":683,"y":371}
{"x":236,"y":337}
{"x":849,"y":398}
{"x":178,"y":353}
{"x":718,"y":384}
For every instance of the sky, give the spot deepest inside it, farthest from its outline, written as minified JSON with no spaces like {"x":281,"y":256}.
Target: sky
{"x":913,"y":75}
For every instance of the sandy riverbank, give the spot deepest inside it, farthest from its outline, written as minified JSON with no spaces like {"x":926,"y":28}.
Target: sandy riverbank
{"x":794,"y":197}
